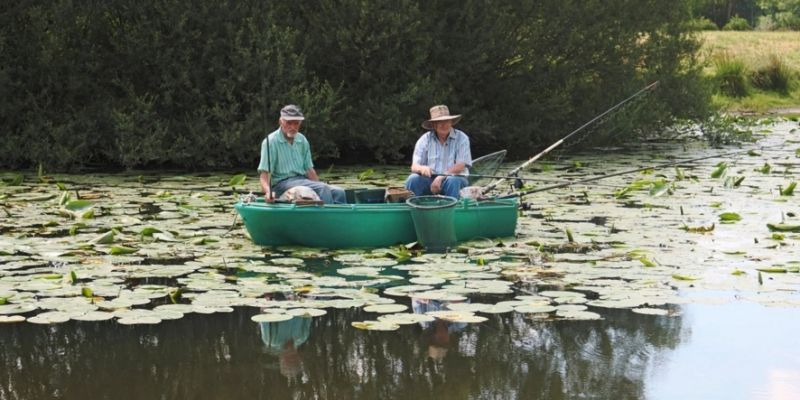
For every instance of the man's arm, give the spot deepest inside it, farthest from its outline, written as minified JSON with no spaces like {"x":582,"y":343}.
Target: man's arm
{"x":265,"y":186}
{"x":420,"y":156}
{"x":423,"y":170}
{"x":311,"y":174}
{"x":457,"y":169}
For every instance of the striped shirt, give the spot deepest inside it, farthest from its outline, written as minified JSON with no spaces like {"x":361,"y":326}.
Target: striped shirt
{"x":286,"y":159}
{"x":429,"y":151}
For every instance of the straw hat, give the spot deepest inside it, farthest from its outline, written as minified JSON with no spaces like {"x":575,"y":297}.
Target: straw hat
{"x":440,"y":113}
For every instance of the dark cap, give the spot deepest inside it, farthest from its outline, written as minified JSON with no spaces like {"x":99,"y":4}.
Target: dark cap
{"x":292,"y":112}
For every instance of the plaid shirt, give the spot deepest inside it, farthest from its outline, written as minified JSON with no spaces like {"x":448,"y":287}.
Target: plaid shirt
{"x":429,"y":151}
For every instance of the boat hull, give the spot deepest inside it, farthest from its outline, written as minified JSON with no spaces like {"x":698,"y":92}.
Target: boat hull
{"x":339,"y":226}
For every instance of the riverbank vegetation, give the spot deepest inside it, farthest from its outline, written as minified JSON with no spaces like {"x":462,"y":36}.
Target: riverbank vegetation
{"x":753,"y":71}
{"x":160,"y":84}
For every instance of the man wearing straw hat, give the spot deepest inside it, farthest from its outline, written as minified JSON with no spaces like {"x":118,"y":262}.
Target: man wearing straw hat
{"x":442,"y":158}
{"x":286,"y":161}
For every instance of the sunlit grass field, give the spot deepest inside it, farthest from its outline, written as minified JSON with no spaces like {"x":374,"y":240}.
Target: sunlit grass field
{"x":755,"y":49}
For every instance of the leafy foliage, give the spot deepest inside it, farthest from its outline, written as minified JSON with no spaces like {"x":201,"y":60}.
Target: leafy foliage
{"x":161,"y":84}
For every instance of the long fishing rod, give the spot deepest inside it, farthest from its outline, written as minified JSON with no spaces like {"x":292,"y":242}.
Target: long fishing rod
{"x":596,"y":178}
{"x":513,"y":172}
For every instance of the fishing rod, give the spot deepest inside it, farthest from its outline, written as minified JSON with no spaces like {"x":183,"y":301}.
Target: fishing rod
{"x":511,"y":174}
{"x":596,"y":178}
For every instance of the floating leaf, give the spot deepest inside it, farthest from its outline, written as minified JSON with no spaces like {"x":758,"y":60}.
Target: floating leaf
{"x":64,"y":199}
{"x":679,"y":175}
{"x":722,"y":167}
{"x":375,"y":325}
{"x":682,"y":277}
{"x":764,"y":169}
{"x":659,"y":188}
{"x":698,"y":229}
{"x":738,"y":272}
{"x":119,"y":250}
{"x":783,"y":228}
{"x":15,"y":180}
{"x":733,"y":181}
{"x":646,"y":262}
{"x":87,"y":292}
{"x":237,"y":180}
{"x":386,"y":308}
{"x":78,"y":205}
{"x":772,"y":270}
{"x":569,"y":236}
{"x":106,"y":238}
{"x":730,"y":217}
{"x":148,"y":231}
{"x":272,"y":317}
{"x":789,"y":191}
{"x":366,"y":174}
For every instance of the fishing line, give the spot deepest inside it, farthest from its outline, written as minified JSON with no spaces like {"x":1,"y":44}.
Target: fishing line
{"x":514,"y":172}
{"x":652,"y":167}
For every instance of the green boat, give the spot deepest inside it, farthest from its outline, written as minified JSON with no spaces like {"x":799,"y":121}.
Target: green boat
{"x":365,"y":223}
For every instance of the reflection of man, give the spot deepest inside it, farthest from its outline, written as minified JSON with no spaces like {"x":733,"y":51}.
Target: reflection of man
{"x":284,"y":338}
{"x":437,"y":332}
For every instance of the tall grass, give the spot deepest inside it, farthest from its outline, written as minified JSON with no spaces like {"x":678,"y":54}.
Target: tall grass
{"x":775,"y":76}
{"x":731,"y":75}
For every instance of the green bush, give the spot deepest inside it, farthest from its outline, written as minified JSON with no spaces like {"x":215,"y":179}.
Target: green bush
{"x":737,"y":24}
{"x":704,"y":24}
{"x":731,"y":76}
{"x":154,"y":83}
{"x":775,"y":76}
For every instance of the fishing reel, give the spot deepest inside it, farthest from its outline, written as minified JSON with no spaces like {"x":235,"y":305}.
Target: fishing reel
{"x":518,"y":183}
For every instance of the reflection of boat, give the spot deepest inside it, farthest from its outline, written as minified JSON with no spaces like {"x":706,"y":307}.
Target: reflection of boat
{"x":366,"y":224}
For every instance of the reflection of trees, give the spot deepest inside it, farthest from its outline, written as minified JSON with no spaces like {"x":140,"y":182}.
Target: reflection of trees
{"x":222,"y":356}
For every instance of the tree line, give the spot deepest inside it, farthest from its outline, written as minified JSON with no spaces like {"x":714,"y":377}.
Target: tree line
{"x":766,"y":15}
{"x":197,"y":85}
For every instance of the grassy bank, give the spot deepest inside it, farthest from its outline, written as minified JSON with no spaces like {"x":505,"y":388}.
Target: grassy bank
{"x":735,"y":60}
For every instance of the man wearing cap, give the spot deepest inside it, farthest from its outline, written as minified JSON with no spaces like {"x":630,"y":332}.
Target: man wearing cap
{"x":286,"y":161}
{"x":442,"y":158}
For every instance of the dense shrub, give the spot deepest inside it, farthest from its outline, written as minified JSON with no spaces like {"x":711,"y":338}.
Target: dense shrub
{"x":704,"y":24}
{"x":731,"y":75}
{"x":737,"y":24}
{"x":775,"y":76}
{"x":156,"y":83}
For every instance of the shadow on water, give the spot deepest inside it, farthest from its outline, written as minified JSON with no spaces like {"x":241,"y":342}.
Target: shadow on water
{"x":228,"y":356}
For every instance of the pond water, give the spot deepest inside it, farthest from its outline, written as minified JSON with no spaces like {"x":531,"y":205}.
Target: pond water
{"x":657,"y":285}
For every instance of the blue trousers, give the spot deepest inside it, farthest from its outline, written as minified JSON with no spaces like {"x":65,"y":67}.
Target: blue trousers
{"x":327,"y":193}
{"x":421,"y":185}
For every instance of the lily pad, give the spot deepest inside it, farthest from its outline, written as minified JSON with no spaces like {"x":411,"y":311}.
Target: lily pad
{"x":386,"y":308}
{"x":375,"y":325}
{"x":271,"y":317}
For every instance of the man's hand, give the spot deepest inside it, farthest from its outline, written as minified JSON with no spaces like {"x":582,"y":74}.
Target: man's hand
{"x":425,"y":170}
{"x":268,"y":197}
{"x":436,"y":186}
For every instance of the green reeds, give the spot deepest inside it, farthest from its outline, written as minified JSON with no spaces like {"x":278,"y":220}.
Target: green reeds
{"x":731,"y":75}
{"x":775,"y":76}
